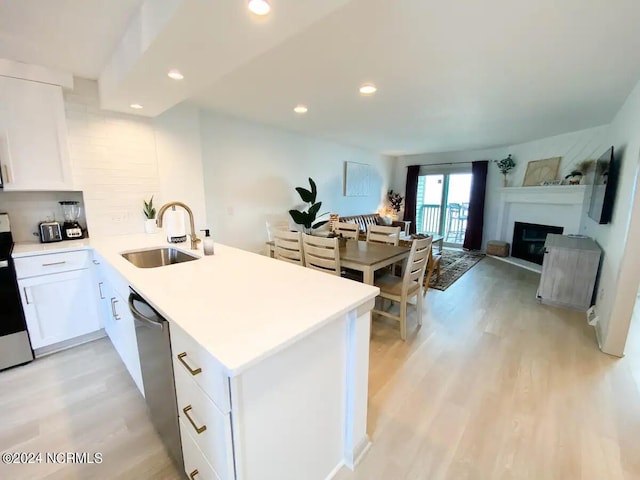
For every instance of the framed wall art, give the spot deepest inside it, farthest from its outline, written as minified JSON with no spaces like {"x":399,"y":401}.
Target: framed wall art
{"x":357,"y":179}
{"x":540,"y":171}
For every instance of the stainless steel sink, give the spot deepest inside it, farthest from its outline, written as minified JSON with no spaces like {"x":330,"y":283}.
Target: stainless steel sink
{"x":157,"y":257}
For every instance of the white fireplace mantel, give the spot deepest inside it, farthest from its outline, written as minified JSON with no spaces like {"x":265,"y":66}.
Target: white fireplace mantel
{"x":559,"y":205}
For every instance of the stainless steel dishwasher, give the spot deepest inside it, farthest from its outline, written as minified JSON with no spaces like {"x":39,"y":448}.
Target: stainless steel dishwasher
{"x":154,"y":349}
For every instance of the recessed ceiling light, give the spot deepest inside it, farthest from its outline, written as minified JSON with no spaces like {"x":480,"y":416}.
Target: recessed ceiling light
{"x":368,"y":89}
{"x":300,"y":109}
{"x":175,"y":74}
{"x":259,"y":7}
{"x":137,"y":106}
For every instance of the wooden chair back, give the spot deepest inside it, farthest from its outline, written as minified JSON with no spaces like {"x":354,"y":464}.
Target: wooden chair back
{"x":321,"y":254}
{"x":383,"y":234}
{"x":416,"y":263}
{"x":288,"y":246}
{"x":276,"y":223}
{"x":348,"y":230}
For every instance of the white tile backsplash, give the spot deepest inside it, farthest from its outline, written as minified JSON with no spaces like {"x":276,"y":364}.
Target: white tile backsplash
{"x":114,"y":161}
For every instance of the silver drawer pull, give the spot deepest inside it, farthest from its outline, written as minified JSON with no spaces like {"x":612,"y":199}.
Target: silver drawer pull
{"x":26,"y":296}
{"x":193,"y":474}
{"x":102,"y":297}
{"x":198,"y":429}
{"x":53,"y":264}
{"x":181,"y":357}
{"x":7,"y":175}
{"x":114,"y":300}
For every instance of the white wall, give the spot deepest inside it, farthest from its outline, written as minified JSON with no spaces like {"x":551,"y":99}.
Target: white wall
{"x":251,"y":171}
{"x":620,"y":271}
{"x":119,"y":160}
{"x":572,"y":147}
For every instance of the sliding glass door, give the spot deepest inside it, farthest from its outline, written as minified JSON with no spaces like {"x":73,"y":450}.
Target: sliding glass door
{"x":443,"y":205}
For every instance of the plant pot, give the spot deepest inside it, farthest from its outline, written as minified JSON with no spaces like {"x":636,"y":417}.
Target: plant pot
{"x":150,"y":225}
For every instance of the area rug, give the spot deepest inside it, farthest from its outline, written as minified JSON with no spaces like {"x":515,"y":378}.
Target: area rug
{"x":453,"y":265}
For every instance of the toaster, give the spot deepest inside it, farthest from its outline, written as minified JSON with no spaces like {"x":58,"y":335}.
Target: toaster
{"x":50,"y":232}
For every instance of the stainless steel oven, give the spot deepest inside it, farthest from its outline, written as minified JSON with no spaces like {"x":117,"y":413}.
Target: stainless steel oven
{"x":15,"y":347}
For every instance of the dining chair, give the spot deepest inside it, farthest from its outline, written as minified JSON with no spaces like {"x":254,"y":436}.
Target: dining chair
{"x":348,"y":230}
{"x":401,"y":290}
{"x":433,"y":265}
{"x":383,"y":234}
{"x":321,"y":253}
{"x":288,"y":246}
{"x":276,"y":223}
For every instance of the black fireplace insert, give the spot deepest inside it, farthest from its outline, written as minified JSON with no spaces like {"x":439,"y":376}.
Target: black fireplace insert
{"x":528,"y":240}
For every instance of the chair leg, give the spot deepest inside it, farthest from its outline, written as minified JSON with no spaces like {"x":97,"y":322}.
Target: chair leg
{"x":403,"y":319}
{"x":419,"y":306}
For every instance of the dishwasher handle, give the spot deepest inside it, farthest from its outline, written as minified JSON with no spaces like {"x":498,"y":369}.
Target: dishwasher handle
{"x":133,"y":296}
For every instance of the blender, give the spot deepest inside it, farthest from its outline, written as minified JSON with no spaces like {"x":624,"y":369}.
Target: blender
{"x":71,"y":229}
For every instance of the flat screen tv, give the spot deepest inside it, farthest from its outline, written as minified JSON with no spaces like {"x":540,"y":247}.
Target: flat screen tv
{"x":603,"y":192}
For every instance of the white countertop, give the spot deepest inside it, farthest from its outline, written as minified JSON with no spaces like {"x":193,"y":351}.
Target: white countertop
{"x":239,"y":306}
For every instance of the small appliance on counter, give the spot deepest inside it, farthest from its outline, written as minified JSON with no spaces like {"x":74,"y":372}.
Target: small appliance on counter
{"x":71,"y":229}
{"x":50,"y":232}
{"x":15,"y":347}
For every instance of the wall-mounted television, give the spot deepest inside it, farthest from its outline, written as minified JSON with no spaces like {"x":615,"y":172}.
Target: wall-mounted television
{"x":603,"y":192}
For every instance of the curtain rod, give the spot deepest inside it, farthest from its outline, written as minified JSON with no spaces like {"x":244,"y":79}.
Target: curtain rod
{"x":439,"y":164}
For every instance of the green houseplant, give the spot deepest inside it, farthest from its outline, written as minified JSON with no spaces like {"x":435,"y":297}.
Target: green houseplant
{"x":307,"y":217}
{"x":505,"y":166}
{"x":150,"y":212}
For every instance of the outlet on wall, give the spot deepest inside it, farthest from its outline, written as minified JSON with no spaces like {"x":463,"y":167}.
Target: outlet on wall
{"x":601,"y":294}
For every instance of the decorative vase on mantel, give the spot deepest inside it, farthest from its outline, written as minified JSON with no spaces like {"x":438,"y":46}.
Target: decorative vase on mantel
{"x":505,"y":180}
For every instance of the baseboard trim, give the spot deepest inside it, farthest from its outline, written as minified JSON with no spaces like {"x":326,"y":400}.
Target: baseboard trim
{"x":73,"y":342}
{"x":335,"y":471}
{"x":360,"y":450}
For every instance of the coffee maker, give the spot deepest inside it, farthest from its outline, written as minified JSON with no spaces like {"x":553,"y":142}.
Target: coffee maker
{"x":71,"y":229}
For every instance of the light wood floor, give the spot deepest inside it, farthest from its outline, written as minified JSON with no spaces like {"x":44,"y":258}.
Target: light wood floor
{"x":80,"y":400}
{"x":493,"y":386}
{"x":496,"y":386}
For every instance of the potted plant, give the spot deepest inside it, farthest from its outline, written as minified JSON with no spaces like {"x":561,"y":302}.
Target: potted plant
{"x":505,"y":166}
{"x":150,"y":212}
{"x":307,"y":217}
{"x":395,"y":200}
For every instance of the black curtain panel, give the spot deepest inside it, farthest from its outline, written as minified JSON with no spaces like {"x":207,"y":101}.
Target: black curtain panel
{"x":411,"y":196}
{"x":475,"y":221}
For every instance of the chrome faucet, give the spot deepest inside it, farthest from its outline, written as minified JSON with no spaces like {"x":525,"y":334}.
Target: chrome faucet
{"x":194,"y":238}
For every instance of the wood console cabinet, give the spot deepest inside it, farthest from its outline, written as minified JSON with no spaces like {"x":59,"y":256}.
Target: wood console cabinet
{"x":569,"y":271}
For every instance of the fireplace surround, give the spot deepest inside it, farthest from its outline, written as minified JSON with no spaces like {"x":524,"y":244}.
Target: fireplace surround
{"x":528,"y":240}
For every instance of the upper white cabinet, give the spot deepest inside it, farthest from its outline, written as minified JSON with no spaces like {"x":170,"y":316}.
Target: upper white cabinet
{"x":34,"y":154}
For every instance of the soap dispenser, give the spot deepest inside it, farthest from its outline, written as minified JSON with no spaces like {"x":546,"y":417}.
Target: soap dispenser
{"x":207,"y":243}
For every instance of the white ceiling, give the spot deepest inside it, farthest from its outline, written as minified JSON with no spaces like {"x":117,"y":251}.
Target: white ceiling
{"x":77,"y":36}
{"x":451,"y":75}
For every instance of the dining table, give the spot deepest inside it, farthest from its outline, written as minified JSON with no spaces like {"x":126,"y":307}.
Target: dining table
{"x":367,"y":257}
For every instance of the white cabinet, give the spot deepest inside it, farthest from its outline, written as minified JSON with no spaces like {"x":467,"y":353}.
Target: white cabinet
{"x":569,"y":271}
{"x":34,"y":154}
{"x":117,"y":319}
{"x":59,"y":307}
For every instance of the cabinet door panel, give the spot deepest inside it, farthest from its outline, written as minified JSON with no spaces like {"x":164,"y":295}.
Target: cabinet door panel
{"x":123,"y":337}
{"x":59,"y":307}
{"x":33,"y":139}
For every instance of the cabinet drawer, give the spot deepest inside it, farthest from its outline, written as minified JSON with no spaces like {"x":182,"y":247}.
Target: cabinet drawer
{"x":195,"y":465}
{"x":51,"y":263}
{"x":208,"y":426}
{"x":202,"y":368}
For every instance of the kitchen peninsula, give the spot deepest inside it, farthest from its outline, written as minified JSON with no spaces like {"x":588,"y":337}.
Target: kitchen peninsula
{"x":270,"y":357}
